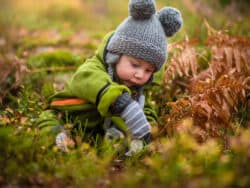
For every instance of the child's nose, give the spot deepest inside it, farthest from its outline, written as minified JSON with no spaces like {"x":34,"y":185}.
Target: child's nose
{"x":139,"y":73}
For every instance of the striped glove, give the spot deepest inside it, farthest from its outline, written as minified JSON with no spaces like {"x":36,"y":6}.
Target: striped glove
{"x":133,"y":115}
{"x":135,"y":120}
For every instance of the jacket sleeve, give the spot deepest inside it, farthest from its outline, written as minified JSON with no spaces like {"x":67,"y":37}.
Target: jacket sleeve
{"x":92,"y":83}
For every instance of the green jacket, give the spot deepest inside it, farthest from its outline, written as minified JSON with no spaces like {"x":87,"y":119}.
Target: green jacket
{"x":92,"y":83}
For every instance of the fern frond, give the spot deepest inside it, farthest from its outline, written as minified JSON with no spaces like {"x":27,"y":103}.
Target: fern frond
{"x":214,"y":94}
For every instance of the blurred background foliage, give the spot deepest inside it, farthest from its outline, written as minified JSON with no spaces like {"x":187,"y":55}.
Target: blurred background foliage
{"x":104,"y":15}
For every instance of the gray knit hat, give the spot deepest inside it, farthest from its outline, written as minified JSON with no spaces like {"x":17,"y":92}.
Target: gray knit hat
{"x":143,"y":34}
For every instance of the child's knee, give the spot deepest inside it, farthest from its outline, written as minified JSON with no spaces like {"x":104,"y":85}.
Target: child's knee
{"x":48,"y":121}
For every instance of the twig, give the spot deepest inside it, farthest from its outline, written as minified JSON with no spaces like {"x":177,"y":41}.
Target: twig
{"x":53,"y":69}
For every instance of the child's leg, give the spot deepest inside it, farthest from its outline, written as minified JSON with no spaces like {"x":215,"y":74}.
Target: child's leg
{"x":49,"y":122}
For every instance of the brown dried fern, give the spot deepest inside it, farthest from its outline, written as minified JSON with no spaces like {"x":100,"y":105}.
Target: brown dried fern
{"x":183,"y":64}
{"x":12,"y":72}
{"x":213,"y":94}
{"x":215,"y":106}
{"x":230,"y":56}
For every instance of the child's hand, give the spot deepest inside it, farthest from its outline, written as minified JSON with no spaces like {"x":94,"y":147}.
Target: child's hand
{"x":136,"y":121}
{"x":63,"y":141}
{"x":132,"y":113}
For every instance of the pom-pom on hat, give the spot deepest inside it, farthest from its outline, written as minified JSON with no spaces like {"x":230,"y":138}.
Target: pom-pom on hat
{"x":143,"y":34}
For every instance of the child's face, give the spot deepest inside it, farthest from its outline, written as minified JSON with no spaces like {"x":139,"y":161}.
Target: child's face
{"x":133,"y":72}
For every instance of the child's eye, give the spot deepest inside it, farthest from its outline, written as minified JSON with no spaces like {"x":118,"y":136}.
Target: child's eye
{"x":149,"y":70}
{"x":135,"y":65}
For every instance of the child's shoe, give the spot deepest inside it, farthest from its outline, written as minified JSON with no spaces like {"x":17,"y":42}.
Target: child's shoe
{"x":64,"y":142}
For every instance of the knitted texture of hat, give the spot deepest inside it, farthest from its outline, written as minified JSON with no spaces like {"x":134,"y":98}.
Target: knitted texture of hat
{"x":143,"y":34}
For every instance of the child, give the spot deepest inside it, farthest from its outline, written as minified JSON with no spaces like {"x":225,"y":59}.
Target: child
{"x":105,"y":93}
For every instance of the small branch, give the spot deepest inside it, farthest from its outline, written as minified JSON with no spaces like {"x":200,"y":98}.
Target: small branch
{"x":53,"y":69}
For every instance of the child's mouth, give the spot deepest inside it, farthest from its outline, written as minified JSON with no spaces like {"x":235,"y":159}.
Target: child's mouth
{"x":129,"y":83}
